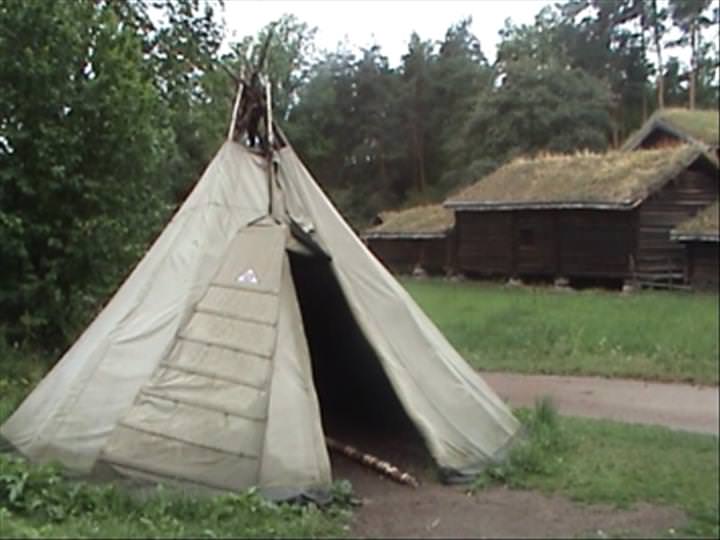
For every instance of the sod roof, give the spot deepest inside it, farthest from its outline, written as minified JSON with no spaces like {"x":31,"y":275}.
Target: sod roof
{"x":703,"y":227}
{"x":426,"y":221}
{"x":614,"y":180}
{"x":696,"y":126}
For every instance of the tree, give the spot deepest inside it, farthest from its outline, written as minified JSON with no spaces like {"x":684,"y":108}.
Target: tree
{"x":416,"y":76}
{"x":654,"y":18}
{"x":84,"y":137}
{"x":288,"y":59}
{"x":707,"y":79}
{"x":460,"y":74}
{"x":346,"y":127}
{"x":690,"y":17}
{"x":605,"y":44}
{"x":320,"y":125}
{"x":180,"y":45}
{"x":540,"y":108}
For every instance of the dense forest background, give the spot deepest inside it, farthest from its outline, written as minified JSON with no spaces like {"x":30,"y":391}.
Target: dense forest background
{"x":111,"y":109}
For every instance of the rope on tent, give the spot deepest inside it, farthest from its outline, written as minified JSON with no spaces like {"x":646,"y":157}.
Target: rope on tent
{"x":372,"y":462}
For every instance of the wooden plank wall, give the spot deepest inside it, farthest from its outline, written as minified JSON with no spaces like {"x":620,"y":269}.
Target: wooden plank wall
{"x":402,"y":255}
{"x":549,"y":243}
{"x":484,"y":243}
{"x":535,"y":237}
{"x":596,"y":243}
{"x":704,"y":265}
{"x":679,"y":200}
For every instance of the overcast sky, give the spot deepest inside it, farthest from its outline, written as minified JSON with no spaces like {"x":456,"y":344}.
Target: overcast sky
{"x":388,"y":23}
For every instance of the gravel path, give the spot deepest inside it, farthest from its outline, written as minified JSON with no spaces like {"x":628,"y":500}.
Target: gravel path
{"x":677,"y":406}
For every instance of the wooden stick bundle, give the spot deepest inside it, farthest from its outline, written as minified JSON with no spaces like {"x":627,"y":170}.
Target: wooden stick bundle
{"x":372,"y":462}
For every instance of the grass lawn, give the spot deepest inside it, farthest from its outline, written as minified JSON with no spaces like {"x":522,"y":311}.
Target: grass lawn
{"x":656,"y":335}
{"x":597,"y":461}
{"x":588,"y":460}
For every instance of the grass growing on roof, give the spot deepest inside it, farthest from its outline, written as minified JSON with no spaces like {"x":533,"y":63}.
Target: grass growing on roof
{"x":431,"y":218}
{"x":655,"y":335}
{"x":585,"y":177}
{"x":706,"y":222}
{"x":597,"y":461}
{"x":701,"y":124}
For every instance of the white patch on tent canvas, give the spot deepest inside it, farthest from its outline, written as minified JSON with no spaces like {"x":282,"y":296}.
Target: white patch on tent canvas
{"x":248,"y":276}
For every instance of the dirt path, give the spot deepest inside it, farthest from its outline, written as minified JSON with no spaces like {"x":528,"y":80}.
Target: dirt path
{"x":438,"y":511}
{"x":677,"y":406}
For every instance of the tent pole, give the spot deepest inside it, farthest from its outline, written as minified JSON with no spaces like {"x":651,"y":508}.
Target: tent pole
{"x":268,"y":101}
{"x":270,"y":144}
{"x":231,"y":129}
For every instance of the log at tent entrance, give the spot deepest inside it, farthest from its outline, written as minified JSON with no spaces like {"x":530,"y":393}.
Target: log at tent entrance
{"x":358,"y":405}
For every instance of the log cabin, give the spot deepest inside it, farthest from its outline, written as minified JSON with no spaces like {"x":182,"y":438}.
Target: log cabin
{"x":585,"y":216}
{"x":701,"y":238}
{"x":415,"y":237}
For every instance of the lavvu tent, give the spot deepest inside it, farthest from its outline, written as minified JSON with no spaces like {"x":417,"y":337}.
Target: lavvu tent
{"x":253,"y":316}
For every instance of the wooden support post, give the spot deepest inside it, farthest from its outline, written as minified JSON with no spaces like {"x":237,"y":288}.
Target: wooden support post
{"x":270,"y":150}
{"x":231,"y":129}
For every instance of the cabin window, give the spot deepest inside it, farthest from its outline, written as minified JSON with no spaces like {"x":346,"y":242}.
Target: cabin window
{"x":527,"y":237}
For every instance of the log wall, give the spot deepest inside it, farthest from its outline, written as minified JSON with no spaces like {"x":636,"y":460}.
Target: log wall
{"x":703,"y":265}
{"x":401,"y":255}
{"x":678,"y":200}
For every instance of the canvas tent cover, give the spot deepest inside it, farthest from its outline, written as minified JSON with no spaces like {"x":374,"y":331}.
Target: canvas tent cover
{"x":198,"y":370}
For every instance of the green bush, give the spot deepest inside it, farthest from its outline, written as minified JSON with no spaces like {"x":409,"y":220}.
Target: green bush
{"x":83,"y":140}
{"x":538,"y":450}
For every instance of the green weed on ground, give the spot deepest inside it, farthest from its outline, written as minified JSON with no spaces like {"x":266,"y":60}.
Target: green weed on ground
{"x":38,"y":502}
{"x":598,"y":461}
{"x":657,"y":335}
{"x":20,"y":371}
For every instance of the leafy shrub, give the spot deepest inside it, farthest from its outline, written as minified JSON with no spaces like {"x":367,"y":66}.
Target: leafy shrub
{"x":20,"y":370}
{"x":538,"y":452}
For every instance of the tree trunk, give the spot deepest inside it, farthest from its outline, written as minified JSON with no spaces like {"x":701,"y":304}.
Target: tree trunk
{"x":615,"y":135}
{"x":419,"y":159}
{"x":421,"y":162}
{"x":643,"y":46}
{"x":383,"y":172}
{"x":418,"y":134}
{"x":660,"y":79}
{"x":693,"y":62}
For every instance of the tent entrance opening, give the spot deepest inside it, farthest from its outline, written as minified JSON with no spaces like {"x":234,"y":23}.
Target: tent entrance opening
{"x":357,"y":402}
